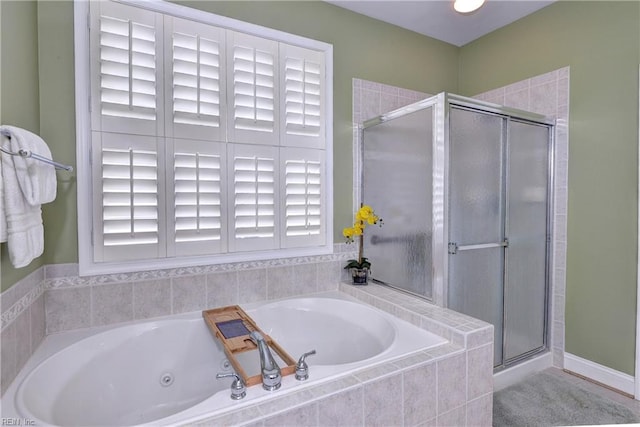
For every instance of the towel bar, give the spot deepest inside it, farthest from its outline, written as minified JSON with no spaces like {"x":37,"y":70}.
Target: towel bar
{"x":28,"y":154}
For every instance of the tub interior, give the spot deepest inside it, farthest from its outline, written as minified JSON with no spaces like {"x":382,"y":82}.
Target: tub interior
{"x":161,"y":369}
{"x":341,"y":332}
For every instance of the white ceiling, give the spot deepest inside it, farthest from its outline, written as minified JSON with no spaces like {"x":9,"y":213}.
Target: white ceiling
{"x":437,"y":19}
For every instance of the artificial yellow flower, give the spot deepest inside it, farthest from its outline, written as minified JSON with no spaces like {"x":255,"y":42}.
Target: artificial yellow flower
{"x":364,"y":216}
{"x":364,"y":213}
{"x":348,"y":232}
{"x":358,"y":229}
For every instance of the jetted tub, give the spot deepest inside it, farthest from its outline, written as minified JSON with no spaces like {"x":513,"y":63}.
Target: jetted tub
{"x":163,"y":372}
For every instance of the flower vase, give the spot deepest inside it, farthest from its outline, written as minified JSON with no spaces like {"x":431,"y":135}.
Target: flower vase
{"x":360,"y":276}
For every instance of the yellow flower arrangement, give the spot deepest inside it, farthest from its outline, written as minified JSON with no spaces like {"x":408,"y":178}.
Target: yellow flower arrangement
{"x":364,"y":217}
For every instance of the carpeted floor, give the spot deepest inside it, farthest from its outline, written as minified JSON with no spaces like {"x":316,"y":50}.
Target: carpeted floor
{"x":545,"y":399}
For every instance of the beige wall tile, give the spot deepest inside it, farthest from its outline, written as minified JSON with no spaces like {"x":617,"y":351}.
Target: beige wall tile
{"x":189,"y":293}
{"x":305,"y":278}
{"x":222,"y":288}
{"x":8,"y":357}
{"x":112,"y":303}
{"x":419,"y":394}
{"x":151,"y":298}
{"x":252,"y":285}
{"x":381,"y":407}
{"x":38,"y":323}
{"x":342,"y":409}
{"x":452,"y":382}
{"x":281,"y":282}
{"x":303,"y":416}
{"x":454,"y":418}
{"x":519,"y":99}
{"x":479,"y":371}
{"x":67,"y":309}
{"x":480,"y":411}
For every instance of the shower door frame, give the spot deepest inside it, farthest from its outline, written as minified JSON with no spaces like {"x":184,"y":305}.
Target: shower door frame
{"x":441,"y":199}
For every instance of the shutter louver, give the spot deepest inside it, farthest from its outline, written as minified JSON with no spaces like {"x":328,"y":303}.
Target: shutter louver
{"x":253,"y":197}
{"x":302,"y":97}
{"x":129,"y":197}
{"x":197,"y":197}
{"x":253,"y":90}
{"x":302,"y":197}
{"x":196,"y":80}
{"x":127,"y":69}
{"x":302,"y":109}
{"x":303,"y":217}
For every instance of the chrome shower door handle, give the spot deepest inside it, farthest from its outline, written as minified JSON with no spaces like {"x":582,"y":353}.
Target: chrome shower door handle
{"x":454,"y":248}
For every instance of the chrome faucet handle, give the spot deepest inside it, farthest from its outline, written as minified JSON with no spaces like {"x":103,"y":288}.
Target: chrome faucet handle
{"x":302,"y":369}
{"x":238,"y":388}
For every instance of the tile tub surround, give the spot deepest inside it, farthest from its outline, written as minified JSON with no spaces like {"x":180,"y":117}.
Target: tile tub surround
{"x":23,"y":324}
{"x":55,"y":299}
{"x":447,"y":385}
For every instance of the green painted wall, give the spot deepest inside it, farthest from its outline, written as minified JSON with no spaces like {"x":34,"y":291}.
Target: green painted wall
{"x":363,"y":48}
{"x":58,"y":125}
{"x":600,"y":41}
{"x":20,"y":96}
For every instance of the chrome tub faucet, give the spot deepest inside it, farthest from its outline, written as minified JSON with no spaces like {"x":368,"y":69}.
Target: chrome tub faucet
{"x":271,"y":374}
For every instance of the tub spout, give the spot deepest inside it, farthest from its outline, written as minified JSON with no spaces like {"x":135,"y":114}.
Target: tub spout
{"x":271,"y":375}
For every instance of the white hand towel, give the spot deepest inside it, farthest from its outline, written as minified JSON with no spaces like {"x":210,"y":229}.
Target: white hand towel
{"x":3,"y":216}
{"x":37,"y":179}
{"x":24,"y":230}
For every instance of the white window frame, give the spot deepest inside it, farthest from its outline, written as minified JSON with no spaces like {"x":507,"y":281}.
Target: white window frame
{"x":84,"y":150}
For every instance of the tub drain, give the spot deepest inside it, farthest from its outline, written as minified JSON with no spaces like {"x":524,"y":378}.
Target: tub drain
{"x":166,"y":379}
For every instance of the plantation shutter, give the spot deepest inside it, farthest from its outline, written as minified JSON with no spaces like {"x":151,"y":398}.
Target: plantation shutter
{"x":253,"y":197}
{"x":302,"y":218}
{"x":204,"y":141}
{"x":199,"y":193}
{"x":252,"y":85}
{"x":127,"y":67}
{"x":302,"y":77}
{"x":196,"y":84}
{"x":129,"y":188}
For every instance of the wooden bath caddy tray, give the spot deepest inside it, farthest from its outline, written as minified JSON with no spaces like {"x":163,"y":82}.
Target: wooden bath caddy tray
{"x":232,"y":326}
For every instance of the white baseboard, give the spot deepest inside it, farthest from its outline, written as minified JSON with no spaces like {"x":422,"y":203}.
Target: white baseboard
{"x":602,"y":374}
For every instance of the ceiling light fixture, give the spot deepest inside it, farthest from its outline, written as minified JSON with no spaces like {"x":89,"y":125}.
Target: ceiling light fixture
{"x":467,"y":6}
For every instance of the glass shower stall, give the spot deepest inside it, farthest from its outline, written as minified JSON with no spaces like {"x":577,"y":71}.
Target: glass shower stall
{"x":464,"y":189}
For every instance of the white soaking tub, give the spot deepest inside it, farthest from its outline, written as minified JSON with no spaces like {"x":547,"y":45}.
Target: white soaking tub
{"x":163,"y":372}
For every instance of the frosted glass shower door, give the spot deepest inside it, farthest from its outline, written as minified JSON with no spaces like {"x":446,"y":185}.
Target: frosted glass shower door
{"x":397,"y":176}
{"x":476,"y":218}
{"x":526,"y":228}
{"x":498,"y":227}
